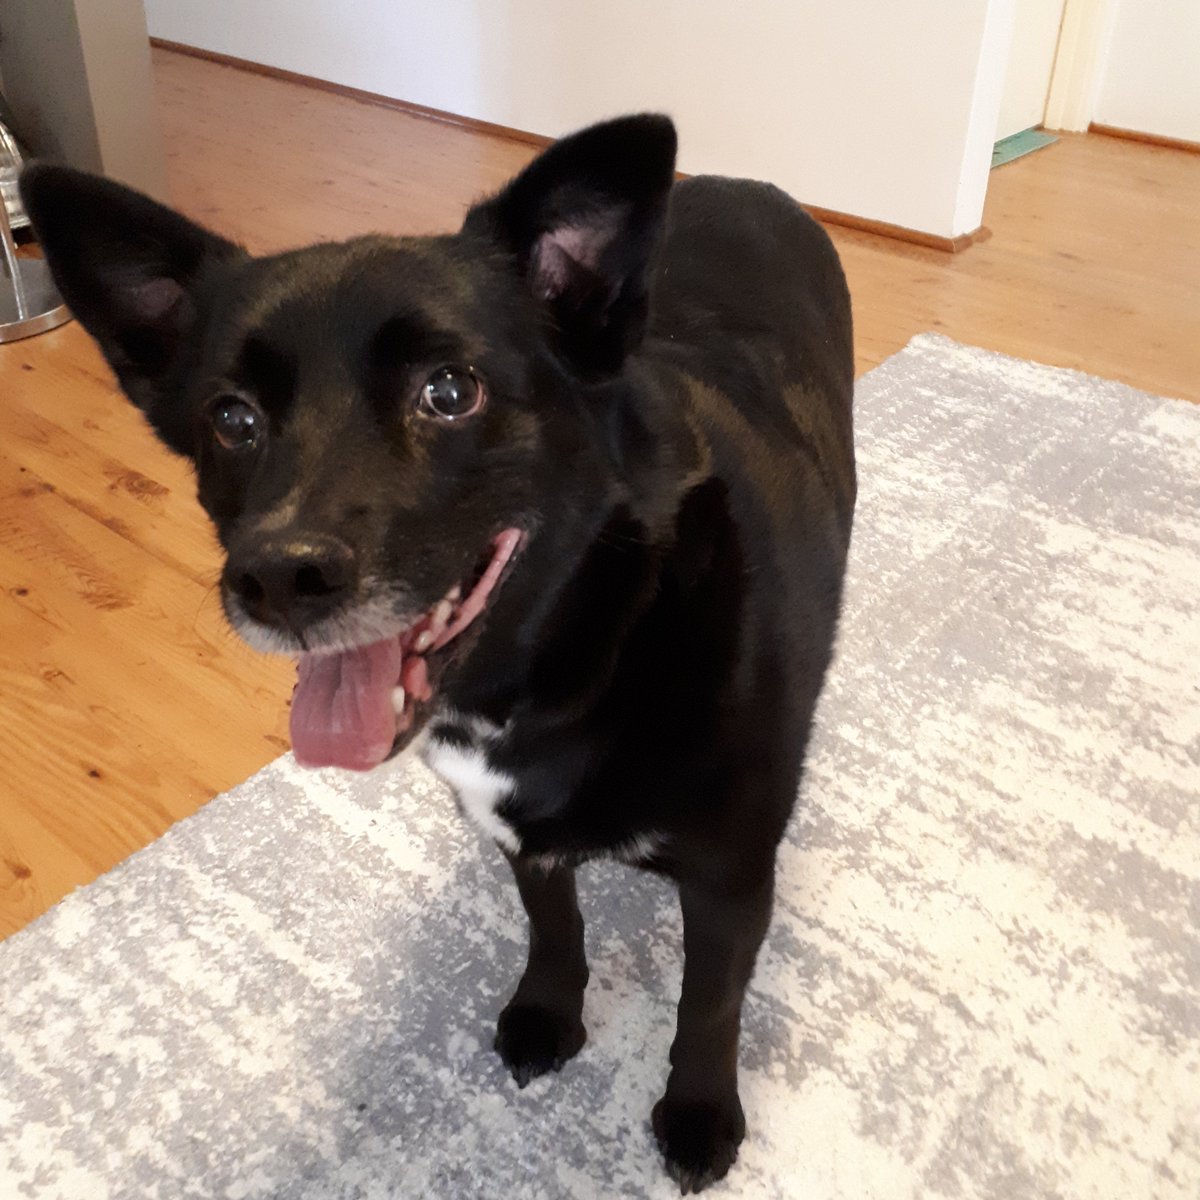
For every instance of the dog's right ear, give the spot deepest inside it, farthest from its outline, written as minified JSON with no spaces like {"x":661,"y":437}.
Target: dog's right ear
{"x":582,"y":221}
{"x":129,"y":269}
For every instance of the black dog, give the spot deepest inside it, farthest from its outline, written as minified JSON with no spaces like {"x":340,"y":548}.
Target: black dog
{"x":571,"y":490}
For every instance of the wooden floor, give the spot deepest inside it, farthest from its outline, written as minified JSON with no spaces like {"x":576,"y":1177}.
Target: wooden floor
{"x":124,"y":702}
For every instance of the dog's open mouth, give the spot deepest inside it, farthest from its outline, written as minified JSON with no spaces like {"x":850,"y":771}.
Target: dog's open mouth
{"x":353,"y":708}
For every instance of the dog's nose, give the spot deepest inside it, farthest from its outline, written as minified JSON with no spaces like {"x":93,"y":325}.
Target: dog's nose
{"x":293,"y":581}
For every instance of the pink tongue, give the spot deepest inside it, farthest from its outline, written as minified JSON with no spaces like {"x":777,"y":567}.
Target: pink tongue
{"x":342,"y":712}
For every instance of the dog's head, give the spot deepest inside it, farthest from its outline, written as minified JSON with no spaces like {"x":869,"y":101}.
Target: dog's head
{"x":382,"y":428}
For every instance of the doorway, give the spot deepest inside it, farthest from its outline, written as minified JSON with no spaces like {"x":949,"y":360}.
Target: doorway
{"x":1036,"y":27}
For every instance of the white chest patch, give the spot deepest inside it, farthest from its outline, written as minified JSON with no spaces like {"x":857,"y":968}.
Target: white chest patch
{"x":480,"y":788}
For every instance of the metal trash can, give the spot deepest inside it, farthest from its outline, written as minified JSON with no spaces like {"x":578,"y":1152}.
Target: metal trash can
{"x":29,"y":301}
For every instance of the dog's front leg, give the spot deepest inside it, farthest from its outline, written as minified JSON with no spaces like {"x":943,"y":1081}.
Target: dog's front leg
{"x":541,"y":1026}
{"x":699,"y":1122}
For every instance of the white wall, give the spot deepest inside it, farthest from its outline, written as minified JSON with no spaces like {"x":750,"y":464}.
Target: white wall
{"x":988,"y":89}
{"x":882,"y":110}
{"x":1150,"y":80}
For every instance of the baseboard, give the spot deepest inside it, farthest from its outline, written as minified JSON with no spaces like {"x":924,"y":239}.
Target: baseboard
{"x":1153,"y":139}
{"x":824,"y":215}
{"x":900,"y":233}
{"x":351,"y":93}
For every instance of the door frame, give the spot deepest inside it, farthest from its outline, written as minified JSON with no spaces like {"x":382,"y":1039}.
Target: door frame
{"x":1079,"y":64}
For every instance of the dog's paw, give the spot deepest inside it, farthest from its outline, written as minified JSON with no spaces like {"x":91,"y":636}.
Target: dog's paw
{"x":699,"y":1139}
{"x":533,"y":1040}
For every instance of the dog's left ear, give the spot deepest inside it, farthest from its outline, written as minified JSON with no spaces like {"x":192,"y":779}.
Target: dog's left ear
{"x":582,"y":221}
{"x":130,"y":269}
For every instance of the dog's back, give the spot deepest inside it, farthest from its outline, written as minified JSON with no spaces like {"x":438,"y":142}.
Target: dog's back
{"x":743,"y":264}
{"x":750,"y":303}
{"x":751,"y":312}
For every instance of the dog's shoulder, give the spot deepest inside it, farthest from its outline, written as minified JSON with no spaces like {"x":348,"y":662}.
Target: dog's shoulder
{"x":750,"y":310}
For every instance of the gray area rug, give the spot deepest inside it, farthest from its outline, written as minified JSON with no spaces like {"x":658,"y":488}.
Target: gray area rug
{"x":982,"y":979}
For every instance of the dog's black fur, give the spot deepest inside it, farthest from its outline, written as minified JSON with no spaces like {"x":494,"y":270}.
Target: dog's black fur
{"x":669,"y":379}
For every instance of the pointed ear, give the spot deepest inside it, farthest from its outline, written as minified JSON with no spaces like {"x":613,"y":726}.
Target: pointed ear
{"x":582,"y":221}
{"x":128,"y":267}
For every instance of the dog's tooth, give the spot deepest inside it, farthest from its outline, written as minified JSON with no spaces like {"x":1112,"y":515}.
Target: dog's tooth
{"x":454,"y":595}
{"x":398,"y":700}
{"x":423,"y":642}
{"x":442,"y":611}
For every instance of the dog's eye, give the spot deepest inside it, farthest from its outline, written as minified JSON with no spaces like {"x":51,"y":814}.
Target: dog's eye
{"x":236,"y":423}
{"x":452,"y":393}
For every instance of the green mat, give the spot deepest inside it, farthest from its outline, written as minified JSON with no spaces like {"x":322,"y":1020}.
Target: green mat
{"x":1025,"y":142}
